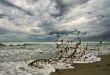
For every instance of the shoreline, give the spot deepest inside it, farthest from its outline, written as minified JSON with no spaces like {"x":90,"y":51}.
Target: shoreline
{"x":97,"y":68}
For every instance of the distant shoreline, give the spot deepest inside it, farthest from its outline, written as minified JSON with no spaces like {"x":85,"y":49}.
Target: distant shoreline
{"x":41,"y":42}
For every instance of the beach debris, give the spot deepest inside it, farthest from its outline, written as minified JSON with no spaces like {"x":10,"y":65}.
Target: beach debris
{"x":69,"y":52}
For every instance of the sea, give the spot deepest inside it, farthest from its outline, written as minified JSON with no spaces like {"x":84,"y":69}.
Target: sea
{"x":15,"y":56}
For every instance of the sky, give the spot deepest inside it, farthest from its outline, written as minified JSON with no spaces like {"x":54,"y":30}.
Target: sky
{"x":39,"y":20}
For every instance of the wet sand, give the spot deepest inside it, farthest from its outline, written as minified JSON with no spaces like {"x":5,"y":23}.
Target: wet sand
{"x":98,"y":68}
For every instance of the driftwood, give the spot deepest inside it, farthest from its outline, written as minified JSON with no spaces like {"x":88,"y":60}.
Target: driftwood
{"x":39,"y":60}
{"x":62,"y":51}
{"x":73,"y":53}
{"x":60,"y":55}
{"x":86,"y":48}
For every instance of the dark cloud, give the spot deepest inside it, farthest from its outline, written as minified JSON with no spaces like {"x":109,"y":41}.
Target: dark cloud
{"x":2,"y":15}
{"x":47,"y":26}
{"x":35,"y":31}
{"x":9,"y":4}
{"x":64,"y":7}
{"x":105,"y":35}
{"x":63,"y":32}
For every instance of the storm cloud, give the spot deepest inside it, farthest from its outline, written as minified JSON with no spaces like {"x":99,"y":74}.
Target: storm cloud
{"x":34,"y":19}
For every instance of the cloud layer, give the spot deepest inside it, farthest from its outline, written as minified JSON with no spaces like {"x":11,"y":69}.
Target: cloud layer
{"x":35,"y":19}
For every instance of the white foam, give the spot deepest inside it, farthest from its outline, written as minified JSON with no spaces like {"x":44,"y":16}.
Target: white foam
{"x":88,"y":58}
{"x":21,"y":68}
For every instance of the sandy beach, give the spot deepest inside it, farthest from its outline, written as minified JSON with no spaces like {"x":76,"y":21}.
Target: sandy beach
{"x":98,"y":68}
